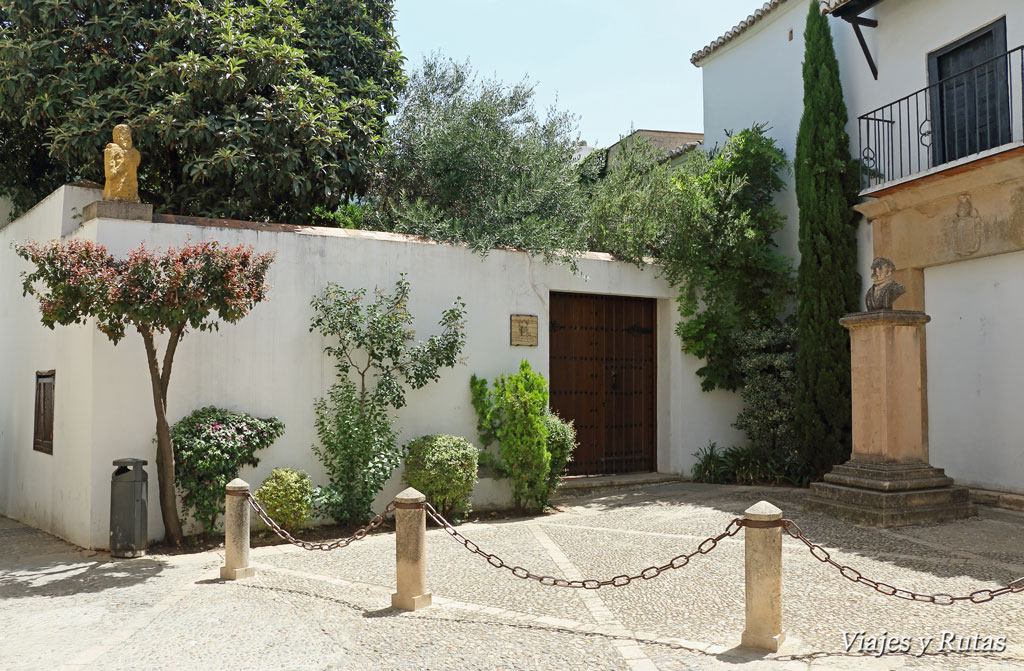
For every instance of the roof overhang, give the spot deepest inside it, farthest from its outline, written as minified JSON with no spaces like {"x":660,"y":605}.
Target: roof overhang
{"x":844,"y":8}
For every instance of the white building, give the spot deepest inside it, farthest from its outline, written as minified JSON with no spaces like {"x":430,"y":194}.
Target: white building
{"x":934,"y":94}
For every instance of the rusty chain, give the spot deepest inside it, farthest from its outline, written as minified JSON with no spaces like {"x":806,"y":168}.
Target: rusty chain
{"x":310,"y":545}
{"x":853,"y":575}
{"x":706,"y":546}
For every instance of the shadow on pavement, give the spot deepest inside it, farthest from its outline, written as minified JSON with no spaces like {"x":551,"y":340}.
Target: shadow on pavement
{"x":33,"y":564}
{"x":989,"y":547}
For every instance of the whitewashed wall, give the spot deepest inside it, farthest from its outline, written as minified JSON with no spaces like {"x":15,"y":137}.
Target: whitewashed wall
{"x":5,"y":211}
{"x":975,"y":370}
{"x":270,"y":364}
{"x":756,"y":78}
{"x":47,"y":491}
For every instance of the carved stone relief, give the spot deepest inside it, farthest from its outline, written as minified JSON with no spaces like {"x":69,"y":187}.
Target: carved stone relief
{"x":965,"y":227}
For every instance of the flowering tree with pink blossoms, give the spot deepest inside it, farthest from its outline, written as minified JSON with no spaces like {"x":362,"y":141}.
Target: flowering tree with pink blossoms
{"x":159,"y":294}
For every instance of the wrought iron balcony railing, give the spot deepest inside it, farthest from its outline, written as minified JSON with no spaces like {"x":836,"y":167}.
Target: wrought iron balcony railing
{"x":956,"y":117}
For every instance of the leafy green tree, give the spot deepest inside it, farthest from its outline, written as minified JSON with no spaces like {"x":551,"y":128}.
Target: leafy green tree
{"x":470,"y":161}
{"x":371,"y":342}
{"x":827,"y":282}
{"x":242,"y":109}
{"x":632,"y":204}
{"x":721,"y":253}
{"x":187,"y":287}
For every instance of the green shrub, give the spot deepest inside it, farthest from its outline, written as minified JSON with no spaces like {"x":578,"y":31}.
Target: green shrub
{"x":513,"y":413}
{"x":561,"y":443}
{"x":711,"y":466}
{"x":210,"y":446}
{"x":768,"y":417}
{"x":444,"y":469}
{"x":372,"y":341}
{"x":287,"y":496}
{"x":359,"y":450}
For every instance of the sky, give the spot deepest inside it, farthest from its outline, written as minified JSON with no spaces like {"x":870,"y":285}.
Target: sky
{"x":616,"y":64}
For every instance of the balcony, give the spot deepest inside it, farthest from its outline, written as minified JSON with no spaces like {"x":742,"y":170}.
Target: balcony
{"x":958,"y":119}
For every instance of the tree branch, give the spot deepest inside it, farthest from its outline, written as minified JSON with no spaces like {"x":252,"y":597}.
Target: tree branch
{"x":165,"y":374}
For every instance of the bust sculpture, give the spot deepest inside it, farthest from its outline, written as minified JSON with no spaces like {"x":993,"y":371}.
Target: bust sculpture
{"x":120,"y":166}
{"x":884,"y":290}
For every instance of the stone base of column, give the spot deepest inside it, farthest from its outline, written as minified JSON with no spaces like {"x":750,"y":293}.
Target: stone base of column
{"x":769,"y":643}
{"x":237,"y":573}
{"x":889,"y":495}
{"x":402,"y":602}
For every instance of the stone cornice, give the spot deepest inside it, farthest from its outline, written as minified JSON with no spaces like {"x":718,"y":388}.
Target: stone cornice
{"x":885,"y":317}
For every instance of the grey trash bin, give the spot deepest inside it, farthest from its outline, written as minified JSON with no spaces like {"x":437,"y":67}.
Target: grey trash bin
{"x":129,"y":503}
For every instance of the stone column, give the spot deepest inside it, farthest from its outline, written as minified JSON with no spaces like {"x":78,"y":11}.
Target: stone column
{"x":236,"y":532}
{"x":889,"y":417}
{"x":763,"y":579}
{"x":888,"y":481}
{"x":410,"y":552}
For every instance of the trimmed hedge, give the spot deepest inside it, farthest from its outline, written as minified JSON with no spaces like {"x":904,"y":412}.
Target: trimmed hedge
{"x":444,"y":469}
{"x":287,"y":496}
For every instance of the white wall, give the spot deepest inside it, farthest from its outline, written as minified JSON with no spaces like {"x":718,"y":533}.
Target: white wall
{"x":43,"y":490}
{"x":5,"y":211}
{"x":975,"y":370}
{"x":269,"y":364}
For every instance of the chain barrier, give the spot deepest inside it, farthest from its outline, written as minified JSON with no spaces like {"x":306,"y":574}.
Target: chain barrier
{"x":853,"y":575}
{"x":310,"y":545}
{"x":706,"y":546}
{"x":678,"y":562}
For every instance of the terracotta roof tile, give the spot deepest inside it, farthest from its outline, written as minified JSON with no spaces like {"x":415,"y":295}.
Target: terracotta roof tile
{"x":829,"y":6}
{"x":738,"y":29}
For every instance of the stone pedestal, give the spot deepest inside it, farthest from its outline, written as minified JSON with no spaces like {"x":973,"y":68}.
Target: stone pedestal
{"x":888,"y":480}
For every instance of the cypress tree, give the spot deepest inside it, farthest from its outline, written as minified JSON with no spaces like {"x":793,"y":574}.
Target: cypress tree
{"x":827,"y":284}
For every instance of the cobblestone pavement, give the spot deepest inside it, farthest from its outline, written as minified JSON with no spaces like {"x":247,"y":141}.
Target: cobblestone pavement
{"x":65,"y":608}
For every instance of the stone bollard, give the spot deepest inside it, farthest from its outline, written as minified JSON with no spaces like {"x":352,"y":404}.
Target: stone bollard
{"x":763,"y":568}
{"x":410,"y":551}
{"x":236,"y":532}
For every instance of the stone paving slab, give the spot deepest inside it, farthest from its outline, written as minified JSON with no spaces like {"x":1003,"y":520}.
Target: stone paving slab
{"x":73,"y":609}
{"x":465,"y":577}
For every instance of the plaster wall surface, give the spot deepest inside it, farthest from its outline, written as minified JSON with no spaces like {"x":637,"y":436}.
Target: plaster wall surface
{"x":975,"y":370}
{"x":5,"y":211}
{"x":41,"y":489}
{"x":269,"y":364}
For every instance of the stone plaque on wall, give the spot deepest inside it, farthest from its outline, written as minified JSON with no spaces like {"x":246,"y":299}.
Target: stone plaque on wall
{"x":524,"y":331}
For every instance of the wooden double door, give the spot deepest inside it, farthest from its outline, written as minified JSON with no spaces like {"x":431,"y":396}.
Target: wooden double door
{"x":603,"y":378}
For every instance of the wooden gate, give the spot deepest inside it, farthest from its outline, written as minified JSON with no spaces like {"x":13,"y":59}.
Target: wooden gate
{"x":603,"y":374}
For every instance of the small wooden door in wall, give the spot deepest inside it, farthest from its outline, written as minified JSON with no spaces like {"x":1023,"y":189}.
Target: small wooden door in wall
{"x":603,"y":377}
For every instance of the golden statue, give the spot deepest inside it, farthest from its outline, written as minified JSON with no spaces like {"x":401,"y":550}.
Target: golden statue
{"x":120,"y":166}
